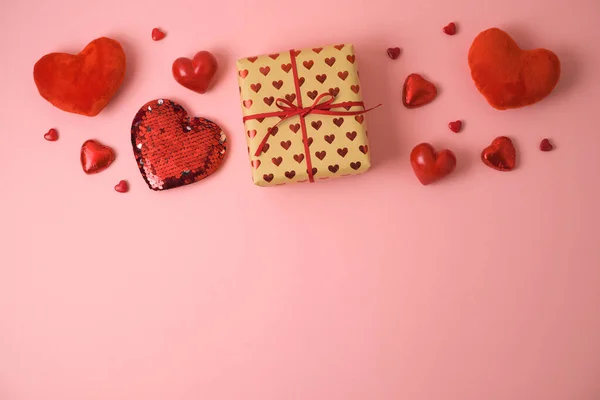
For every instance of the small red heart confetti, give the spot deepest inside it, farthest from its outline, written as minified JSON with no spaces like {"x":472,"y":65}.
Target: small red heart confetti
{"x":393,"y":52}
{"x":450,"y":29}
{"x":545,"y":145}
{"x":157,"y":34}
{"x":51,"y":135}
{"x":455,"y":126}
{"x":122,"y":187}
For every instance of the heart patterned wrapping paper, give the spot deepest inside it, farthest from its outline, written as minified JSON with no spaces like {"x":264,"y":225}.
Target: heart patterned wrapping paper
{"x":303,"y":115}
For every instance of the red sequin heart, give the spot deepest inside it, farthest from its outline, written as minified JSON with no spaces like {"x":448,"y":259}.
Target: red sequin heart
{"x":393,"y":52}
{"x":429,"y":165}
{"x":95,"y":157}
{"x":500,"y":155}
{"x":157,"y":34}
{"x":195,"y":74}
{"x":122,"y":187}
{"x":455,"y":126}
{"x":450,"y":29}
{"x":51,"y":135}
{"x":173,"y":149}
{"x":417,"y":91}
{"x":545,"y":145}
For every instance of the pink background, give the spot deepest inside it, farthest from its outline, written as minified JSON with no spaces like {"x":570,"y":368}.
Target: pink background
{"x":484,"y":286}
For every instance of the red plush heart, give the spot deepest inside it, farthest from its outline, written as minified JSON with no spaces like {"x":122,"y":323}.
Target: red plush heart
{"x":173,"y":149}
{"x":500,"y":155}
{"x":507,"y":76}
{"x":429,"y":165}
{"x":82,"y":83}
{"x":195,"y":74}
{"x":417,"y":91}
{"x":95,"y":157}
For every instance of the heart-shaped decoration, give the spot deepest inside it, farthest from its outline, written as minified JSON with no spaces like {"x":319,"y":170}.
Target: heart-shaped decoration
{"x":83,"y":83}
{"x":500,"y":155}
{"x":417,"y":91}
{"x":393,"y":52}
{"x":122,"y":187}
{"x":455,"y":126}
{"x":173,"y":149}
{"x":450,"y":29}
{"x":157,"y":34}
{"x":95,"y":157}
{"x":51,"y":135}
{"x":545,"y":145}
{"x":195,"y":74}
{"x":429,"y":165}
{"x":507,"y":76}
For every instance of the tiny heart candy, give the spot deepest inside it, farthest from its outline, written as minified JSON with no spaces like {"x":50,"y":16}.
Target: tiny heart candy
{"x":417,"y":91}
{"x":455,"y":126}
{"x":500,"y":155}
{"x":195,"y":74}
{"x":429,"y":165}
{"x":450,"y":29}
{"x":157,"y":34}
{"x":393,"y":52}
{"x":95,"y":157}
{"x":122,"y":187}
{"x":507,"y":76}
{"x":173,"y":149}
{"x":545,"y":145}
{"x":51,"y":135}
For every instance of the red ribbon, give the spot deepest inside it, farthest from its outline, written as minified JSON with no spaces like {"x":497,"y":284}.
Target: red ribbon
{"x":289,"y":110}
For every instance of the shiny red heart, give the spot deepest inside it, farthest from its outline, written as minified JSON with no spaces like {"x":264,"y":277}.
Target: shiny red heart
{"x":450,"y":29}
{"x":455,"y":126}
{"x":500,"y":155}
{"x":429,"y":165}
{"x":195,"y":74}
{"x":393,"y":52}
{"x":51,"y":135}
{"x":122,"y":187}
{"x":95,"y":157}
{"x":417,"y":91}
{"x":157,"y":34}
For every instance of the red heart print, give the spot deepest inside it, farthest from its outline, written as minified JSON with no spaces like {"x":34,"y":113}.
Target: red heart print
{"x":363,"y":149}
{"x":290,"y":97}
{"x":273,"y":130}
{"x":265,"y":70}
{"x":393,"y":52}
{"x":500,"y":155}
{"x":296,"y":53}
{"x":256,"y":87}
{"x":343,"y":152}
{"x":545,"y":145}
{"x":334,"y":91}
{"x":51,"y":135}
{"x":359,"y":118}
{"x":314,"y":171}
{"x":255,"y":164}
{"x":277,"y":160}
{"x":95,"y":157}
{"x":355,"y":88}
{"x":243,"y":73}
{"x":321,"y":78}
{"x":266,"y":148}
{"x":316,"y":124}
{"x":290,"y":174}
{"x":268,"y":177}
{"x":333,"y":168}
{"x":321,"y":154}
{"x":309,"y":141}
{"x":317,"y":49}
{"x":308,"y":64}
{"x":339,"y":46}
{"x":286,"y":144}
{"x":429,"y":165}
{"x":455,"y":126}
{"x":252,"y":59}
{"x":173,"y":149}
{"x":301,"y":81}
{"x":343,"y":75}
{"x":450,"y":29}
{"x":274,"y":56}
{"x":157,"y":34}
{"x":330,"y":61}
{"x":286,"y":67}
{"x":417,"y":91}
{"x":351,"y":58}
{"x":277,"y":84}
{"x":312,"y":95}
{"x":195,"y":74}
{"x":269,"y":100}
{"x":122,"y":187}
{"x":294,"y":127}
{"x":351,"y":135}
{"x":299,"y":157}
{"x":251,"y":133}
{"x":338,"y":121}
{"x":247,"y":103}
{"x":329,"y":138}
{"x":355,"y":165}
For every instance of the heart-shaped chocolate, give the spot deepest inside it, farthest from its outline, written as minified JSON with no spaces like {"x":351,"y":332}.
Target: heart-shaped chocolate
{"x":417,"y":91}
{"x":500,"y":155}
{"x":507,"y":76}
{"x":173,"y":149}
{"x":95,"y":157}
{"x":83,"y":83}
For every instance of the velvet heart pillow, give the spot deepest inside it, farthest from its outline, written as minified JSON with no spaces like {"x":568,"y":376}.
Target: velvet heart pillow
{"x":506,"y":75}
{"x":83,"y":83}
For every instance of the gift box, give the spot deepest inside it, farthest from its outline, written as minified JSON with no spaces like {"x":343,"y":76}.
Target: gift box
{"x":304,"y":115}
